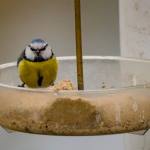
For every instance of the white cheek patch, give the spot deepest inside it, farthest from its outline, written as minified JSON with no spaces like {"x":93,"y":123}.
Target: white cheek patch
{"x":47,"y":53}
{"x":29,"y":54}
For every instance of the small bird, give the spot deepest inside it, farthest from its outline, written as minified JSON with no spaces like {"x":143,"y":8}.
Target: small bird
{"x":37,"y":65}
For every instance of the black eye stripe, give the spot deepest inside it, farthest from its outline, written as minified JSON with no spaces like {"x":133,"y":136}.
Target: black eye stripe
{"x":33,"y":49}
{"x":42,"y":49}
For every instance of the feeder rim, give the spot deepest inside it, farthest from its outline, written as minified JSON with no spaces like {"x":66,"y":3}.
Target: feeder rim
{"x":115,"y":58}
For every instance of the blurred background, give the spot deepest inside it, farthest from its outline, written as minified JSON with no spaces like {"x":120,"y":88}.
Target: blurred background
{"x":110,"y":27}
{"x":53,"y":20}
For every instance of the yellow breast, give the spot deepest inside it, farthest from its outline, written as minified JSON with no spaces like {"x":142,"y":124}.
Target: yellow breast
{"x":38,"y":74}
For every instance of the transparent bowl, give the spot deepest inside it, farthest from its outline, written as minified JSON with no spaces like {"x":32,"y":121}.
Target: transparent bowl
{"x":116,"y":99}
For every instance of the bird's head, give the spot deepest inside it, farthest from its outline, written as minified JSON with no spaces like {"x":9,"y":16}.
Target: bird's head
{"x":38,"y":50}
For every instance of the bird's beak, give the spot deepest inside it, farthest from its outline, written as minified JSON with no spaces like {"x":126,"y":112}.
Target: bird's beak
{"x":38,"y":52}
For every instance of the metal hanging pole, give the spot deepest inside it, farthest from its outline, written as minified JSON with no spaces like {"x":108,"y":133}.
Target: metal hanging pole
{"x":79,"y":44}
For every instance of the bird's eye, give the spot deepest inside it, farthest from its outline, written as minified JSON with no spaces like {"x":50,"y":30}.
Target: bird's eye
{"x":42,"y":49}
{"x":33,"y":49}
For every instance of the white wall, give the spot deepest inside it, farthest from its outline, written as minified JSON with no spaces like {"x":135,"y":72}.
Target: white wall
{"x":53,"y":20}
{"x":135,"y":42}
{"x":135,"y":28}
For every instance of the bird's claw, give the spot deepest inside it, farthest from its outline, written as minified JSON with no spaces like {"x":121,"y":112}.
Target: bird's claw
{"x":22,"y":85}
{"x":52,"y":84}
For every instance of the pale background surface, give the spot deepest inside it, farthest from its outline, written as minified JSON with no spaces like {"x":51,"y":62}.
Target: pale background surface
{"x":53,"y":20}
{"x":134,"y":39}
{"x":135,"y":28}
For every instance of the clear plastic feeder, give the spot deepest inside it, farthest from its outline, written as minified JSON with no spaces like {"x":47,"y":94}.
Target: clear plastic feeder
{"x":116,"y":99}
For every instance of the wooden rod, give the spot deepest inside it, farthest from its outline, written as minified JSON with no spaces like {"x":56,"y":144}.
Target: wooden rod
{"x":79,"y":45}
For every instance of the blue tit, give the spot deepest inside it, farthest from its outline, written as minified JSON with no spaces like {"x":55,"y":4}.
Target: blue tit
{"x":37,"y":65}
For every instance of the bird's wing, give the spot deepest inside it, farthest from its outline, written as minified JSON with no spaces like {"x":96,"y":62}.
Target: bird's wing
{"x":22,"y":55}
